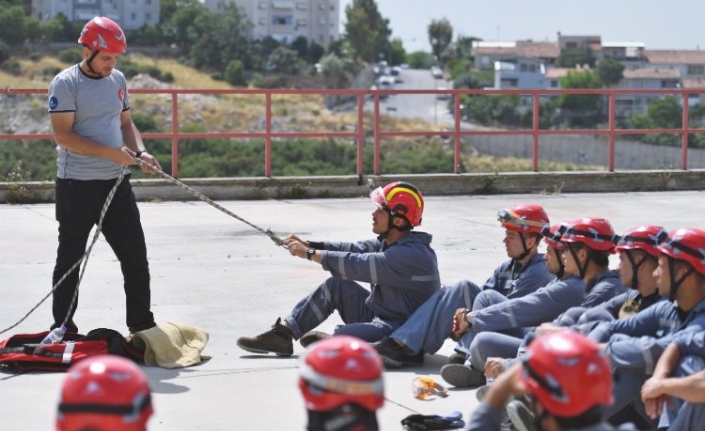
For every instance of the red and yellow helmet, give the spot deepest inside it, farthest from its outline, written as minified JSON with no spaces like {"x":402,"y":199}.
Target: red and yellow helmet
{"x":106,"y":393}
{"x":568,"y":373}
{"x":524,"y":218}
{"x":342,"y":370}
{"x":401,"y":199}
{"x":103,"y":34}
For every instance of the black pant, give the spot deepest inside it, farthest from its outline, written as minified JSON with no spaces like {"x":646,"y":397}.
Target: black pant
{"x":78,"y":208}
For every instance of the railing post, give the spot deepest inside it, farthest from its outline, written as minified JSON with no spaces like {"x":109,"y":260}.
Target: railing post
{"x":456,"y":152}
{"x":376,"y":121}
{"x":174,"y":134}
{"x":684,"y":134}
{"x":268,"y":135}
{"x":535,"y":128}
{"x":611,"y":126}
{"x":360,"y":133}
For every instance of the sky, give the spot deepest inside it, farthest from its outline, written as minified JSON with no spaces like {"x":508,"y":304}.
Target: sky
{"x":659,"y":24}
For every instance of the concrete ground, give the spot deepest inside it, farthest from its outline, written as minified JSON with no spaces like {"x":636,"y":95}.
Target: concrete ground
{"x":216,"y":273}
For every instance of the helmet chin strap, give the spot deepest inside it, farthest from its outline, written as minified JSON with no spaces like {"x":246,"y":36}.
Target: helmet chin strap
{"x":676,"y":284}
{"x":391,"y":225}
{"x":527,"y":250}
{"x":90,"y":60}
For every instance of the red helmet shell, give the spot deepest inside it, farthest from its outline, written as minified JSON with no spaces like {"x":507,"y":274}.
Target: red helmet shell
{"x":552,"y":235}
{"x":645,"y":238}
{"x":568,"y":373}
{"x":104,"y":392}
{"x":401,"y":199}
{"x":687,"y":244}
{"x":342,"y":370}
{"x":596,"y":233}
{"x":524,"y":218}
{"x":103,"y":34}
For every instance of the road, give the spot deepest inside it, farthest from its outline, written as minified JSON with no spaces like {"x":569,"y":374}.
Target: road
{"x":425,"y":107}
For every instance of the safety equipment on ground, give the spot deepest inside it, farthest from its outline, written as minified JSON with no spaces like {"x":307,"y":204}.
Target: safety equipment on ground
{"x":686,"y":244}
{"x":23,"y":352}
{"x":433,"y":422}
{"x":103,"y":34}
{"x":524,"y":218}
{"x":568,"y":373}
{"x":596,"y":233}
{"x":425,"y":388}
{"x":401,"y":199}
{"x":645,"y":238}
{"x":342,"y":370}
{"x":552,"y":235}
{"x":104,"y":392}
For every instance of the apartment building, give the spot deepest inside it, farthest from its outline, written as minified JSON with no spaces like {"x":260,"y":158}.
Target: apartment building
{"x":130,"y":14}
{"x":285,"y":20}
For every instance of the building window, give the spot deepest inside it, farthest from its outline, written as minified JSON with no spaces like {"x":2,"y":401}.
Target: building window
{"x":302,"y":6}
{"x":523,"y":67}
{"x":148,"y":17}
{"x":696,"y":70}
{"x":509,"y":83}
{"x":133,"y":16}
{"x":554,"y":83}
{"x":302,"y":22}
{"x":322,"y":6}
{"x":282,"y":4}
{"x":262,"y":21}
{"x":282,"y":19}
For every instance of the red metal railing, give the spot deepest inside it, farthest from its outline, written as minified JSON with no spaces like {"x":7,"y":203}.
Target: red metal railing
{"x":359,"y":134}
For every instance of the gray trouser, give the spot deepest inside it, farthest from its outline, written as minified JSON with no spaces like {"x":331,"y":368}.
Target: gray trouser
{"x":348,"y":299}
{"x":430,"y":325}
{"x":685,"y":416}
{"x":492,"y":345}
{"x":484,"y":300}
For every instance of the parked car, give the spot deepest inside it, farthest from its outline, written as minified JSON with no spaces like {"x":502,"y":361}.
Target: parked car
{"x":437,"y":72}
{"x":443,"y":96}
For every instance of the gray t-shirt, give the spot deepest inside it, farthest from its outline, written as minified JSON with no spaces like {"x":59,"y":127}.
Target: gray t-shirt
{"x":97,"y":104}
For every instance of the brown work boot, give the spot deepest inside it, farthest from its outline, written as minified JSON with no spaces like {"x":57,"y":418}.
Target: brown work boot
{"x":312,"y":337}
{"x":277,"y":340}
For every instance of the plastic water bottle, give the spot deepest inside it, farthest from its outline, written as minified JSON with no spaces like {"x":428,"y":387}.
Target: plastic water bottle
{"x":55,"y":335}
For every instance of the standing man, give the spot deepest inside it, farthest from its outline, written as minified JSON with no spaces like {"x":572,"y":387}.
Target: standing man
{"x":96,"y":138}
{"x":399,"y":264}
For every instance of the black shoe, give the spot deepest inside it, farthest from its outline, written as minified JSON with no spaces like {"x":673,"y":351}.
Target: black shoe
{"x":520,"y":415}
{"x":462,"y":376}
{"x":457,"y":358}
{"x":313,"y":336}
{"x":277,"y":340}
{"x":394,"y":355}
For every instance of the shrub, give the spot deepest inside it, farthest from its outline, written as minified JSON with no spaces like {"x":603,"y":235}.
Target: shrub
{"x":71,"y":55}
{"x":235,"y":73}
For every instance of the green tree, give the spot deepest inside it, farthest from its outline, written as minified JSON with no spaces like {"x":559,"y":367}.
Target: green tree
{"x":440,"y":34}
{"x":611,"y":71}
{"x":397,"y":52}
{"x":13,"y":28}
{"x":366,"y":30}
{"x":333,"y":71}
{"x":575,"y":57}
{"x":581,"y":109}
{"x":419,"y":60}
{"x":235,"y":73}
{"x":284,"y":60}
{"x":220,"y":37}
{"x":300,"y":45}
{"x":666,"y":113}
{"x":315,"y":52}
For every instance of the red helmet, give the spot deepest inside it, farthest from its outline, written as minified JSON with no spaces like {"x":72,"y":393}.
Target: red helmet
{"x":401,"y":199}
{"x":687,"y":244}
{"x":596,"y":233}
{"x":103,"y":34}
{"x":342,"y":370}
{"x":645,"y":238}
{"x":552,"y":235}
{"x":568,"y":373}
{"x":107,"y":393}
{"x":524,"y":218}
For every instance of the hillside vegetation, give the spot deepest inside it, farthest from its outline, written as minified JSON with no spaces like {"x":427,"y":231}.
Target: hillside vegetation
{"x":34,"y":160}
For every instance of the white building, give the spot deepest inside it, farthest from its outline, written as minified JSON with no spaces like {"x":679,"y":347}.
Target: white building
{"x":285,"y":20}
{"x":130,"y":14}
